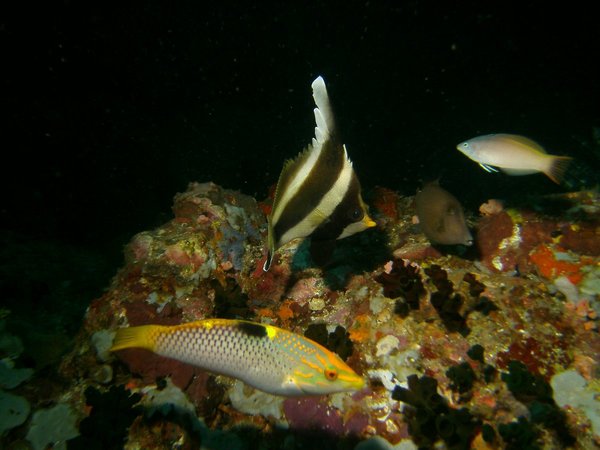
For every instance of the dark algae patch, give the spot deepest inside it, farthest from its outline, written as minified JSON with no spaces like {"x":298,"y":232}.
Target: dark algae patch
{"x":111,"y":415}
{"x":430,"y":418}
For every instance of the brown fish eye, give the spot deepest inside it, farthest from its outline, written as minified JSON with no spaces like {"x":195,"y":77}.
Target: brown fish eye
{"x":331,"y":374}
{"x":356,"y":214}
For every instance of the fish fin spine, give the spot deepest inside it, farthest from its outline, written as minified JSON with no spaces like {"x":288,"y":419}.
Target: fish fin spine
{"x":557,"y":168}
{"x":488,"y":168}
{"x":268,"y":261}
{"x":139,"y":337}
{"x":270,"y":246}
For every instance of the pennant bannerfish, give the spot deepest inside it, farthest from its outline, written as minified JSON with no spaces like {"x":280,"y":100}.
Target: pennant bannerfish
{"x":318,"y":192}
{"x":268,"y":358}
{"x":441,"y":216}
{"x":514,"y":155}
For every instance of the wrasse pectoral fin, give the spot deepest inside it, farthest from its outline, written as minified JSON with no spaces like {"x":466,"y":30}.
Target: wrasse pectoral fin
{"x":487,"y":168}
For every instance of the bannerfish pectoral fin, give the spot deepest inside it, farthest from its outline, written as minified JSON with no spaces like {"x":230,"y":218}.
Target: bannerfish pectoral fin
{"x":317,"y":217}
{"x":487,"y":168}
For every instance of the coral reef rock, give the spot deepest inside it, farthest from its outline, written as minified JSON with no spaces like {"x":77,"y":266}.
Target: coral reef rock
{"x":457,"y":345}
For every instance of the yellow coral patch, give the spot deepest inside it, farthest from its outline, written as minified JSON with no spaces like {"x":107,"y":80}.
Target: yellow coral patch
{"x":360,"y":330}
{"x":285,"y":312}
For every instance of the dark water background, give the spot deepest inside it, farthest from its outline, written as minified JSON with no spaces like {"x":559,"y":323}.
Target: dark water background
{"x":109,"y":110}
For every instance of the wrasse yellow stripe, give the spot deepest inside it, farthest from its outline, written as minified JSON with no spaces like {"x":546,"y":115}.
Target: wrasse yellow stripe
{"x":321,"y":360}
{"x":272,"y":359}
{"x":311,"y":365}
{"x":304,"y":375}
{"x":346,"y":378}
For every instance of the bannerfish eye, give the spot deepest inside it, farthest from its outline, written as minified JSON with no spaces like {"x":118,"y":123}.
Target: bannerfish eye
{"x":331,"y":374}
{"x":356,"y":214}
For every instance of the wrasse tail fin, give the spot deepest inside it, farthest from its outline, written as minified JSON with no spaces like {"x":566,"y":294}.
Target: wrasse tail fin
{"x":557,"y":168}
{"x":140,"y":337}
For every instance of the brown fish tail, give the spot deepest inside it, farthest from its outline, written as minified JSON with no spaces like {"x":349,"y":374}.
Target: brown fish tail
{"x":557,"y":168}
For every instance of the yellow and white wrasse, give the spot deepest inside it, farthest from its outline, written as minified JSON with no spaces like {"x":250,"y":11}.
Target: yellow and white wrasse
{"x":514,"y":155}
{"x":268,"y":358}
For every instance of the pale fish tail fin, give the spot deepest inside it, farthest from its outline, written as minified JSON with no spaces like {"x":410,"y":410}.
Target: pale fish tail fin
{"x":557,"y":167}
{"x":139,"y":337}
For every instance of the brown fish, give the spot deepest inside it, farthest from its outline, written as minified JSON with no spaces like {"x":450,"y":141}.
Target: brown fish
{"x":441,"y":216}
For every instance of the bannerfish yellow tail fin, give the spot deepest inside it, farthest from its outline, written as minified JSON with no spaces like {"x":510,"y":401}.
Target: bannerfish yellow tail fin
{"x":557,"y":168}
{"x":143,"y":337}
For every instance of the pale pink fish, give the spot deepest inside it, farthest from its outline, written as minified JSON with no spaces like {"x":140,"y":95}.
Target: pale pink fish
{"x":514,"y":155}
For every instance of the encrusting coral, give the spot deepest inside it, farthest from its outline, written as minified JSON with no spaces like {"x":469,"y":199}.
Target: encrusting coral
{"x":458,"y":349}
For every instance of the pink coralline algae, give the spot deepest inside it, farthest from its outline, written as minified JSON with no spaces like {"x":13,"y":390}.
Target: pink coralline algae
{"x":439,"y":329}
{"x":313,"y":414}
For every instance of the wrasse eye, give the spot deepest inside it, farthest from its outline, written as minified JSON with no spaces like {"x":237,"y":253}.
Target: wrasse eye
{"x":355,"y":214}
{"x":331,"y":374}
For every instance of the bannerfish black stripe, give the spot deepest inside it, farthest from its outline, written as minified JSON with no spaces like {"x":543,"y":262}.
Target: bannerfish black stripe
{"x":320,"y":180}
{"x":347,"y":210}
{"x":252,"y":329}
{"x":318,"y":191}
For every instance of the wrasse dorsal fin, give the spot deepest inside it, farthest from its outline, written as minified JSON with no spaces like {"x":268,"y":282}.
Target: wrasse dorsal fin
{"x":522,"y":142}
